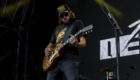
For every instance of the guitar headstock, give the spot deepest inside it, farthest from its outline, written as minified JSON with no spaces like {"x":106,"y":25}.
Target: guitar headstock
{"x":87,"y":29}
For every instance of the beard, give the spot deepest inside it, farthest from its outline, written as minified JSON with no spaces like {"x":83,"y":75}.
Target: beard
{"x":66,"y":21}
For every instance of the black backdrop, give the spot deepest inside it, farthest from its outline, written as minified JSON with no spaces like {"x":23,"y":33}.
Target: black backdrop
{"x":90,"y":12}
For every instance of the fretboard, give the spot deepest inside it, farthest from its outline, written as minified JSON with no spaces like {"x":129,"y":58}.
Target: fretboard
{"x":66,"y":42}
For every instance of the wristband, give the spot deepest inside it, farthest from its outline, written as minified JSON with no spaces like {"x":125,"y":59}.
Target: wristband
{"x":78,"y":45}
{"x":46,"y":50}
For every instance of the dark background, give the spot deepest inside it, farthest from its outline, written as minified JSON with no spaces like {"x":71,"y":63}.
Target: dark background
{"x":90,"y":12}
{"x":43,"y":22}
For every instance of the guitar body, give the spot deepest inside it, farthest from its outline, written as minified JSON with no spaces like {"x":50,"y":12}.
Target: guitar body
{"x":50,"y":60}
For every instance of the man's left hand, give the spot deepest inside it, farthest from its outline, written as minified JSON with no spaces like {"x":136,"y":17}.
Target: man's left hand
{"x":73,"y":41}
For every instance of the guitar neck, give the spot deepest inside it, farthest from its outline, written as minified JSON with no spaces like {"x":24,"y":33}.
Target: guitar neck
{"x":75,"y":35}
{"x":66,"y":42}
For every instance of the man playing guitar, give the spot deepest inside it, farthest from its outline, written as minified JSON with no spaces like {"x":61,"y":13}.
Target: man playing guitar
{"x":67,"y":63}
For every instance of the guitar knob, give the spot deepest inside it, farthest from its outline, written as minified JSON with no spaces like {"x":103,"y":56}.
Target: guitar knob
{"x":91,"y":30}
{"x":86,"y":33}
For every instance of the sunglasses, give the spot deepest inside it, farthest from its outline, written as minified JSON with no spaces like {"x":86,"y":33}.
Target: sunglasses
{"x":63,"y":14}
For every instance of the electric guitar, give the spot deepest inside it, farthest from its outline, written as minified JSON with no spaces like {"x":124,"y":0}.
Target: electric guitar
{"x":50,"y":60}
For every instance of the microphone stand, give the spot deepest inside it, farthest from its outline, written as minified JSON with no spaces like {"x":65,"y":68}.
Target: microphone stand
{"x":107,"y":75}
{"x":116,"y":29}
{"x":114,"y":68}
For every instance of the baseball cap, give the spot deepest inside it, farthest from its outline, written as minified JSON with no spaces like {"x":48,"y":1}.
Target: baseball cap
{"x":62,"y":9}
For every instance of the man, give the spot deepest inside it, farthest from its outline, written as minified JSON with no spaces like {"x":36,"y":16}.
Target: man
{"x":67,"y":63}
{"x":111,"y":75}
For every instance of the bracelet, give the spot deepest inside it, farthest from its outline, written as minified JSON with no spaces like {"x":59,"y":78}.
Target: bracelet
{"x":46,"y":50}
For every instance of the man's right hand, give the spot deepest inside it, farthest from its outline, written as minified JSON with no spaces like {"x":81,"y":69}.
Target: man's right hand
{"x":47,"y":51}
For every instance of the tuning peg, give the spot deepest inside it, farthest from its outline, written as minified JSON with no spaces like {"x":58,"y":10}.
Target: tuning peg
{"x":91,"y":30}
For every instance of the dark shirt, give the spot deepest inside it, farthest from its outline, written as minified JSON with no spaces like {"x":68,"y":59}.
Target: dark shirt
{"x":70,"y":51}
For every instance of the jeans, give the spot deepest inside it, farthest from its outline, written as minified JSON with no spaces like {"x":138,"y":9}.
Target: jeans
{"x":68,"y":67}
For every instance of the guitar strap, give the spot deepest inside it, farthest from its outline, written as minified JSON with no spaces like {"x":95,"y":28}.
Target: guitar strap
{"x":68,"y":31}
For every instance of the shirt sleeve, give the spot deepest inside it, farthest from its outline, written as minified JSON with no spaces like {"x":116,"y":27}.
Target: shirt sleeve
{"x":53,"y":39}
{"x":80,"y":26}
